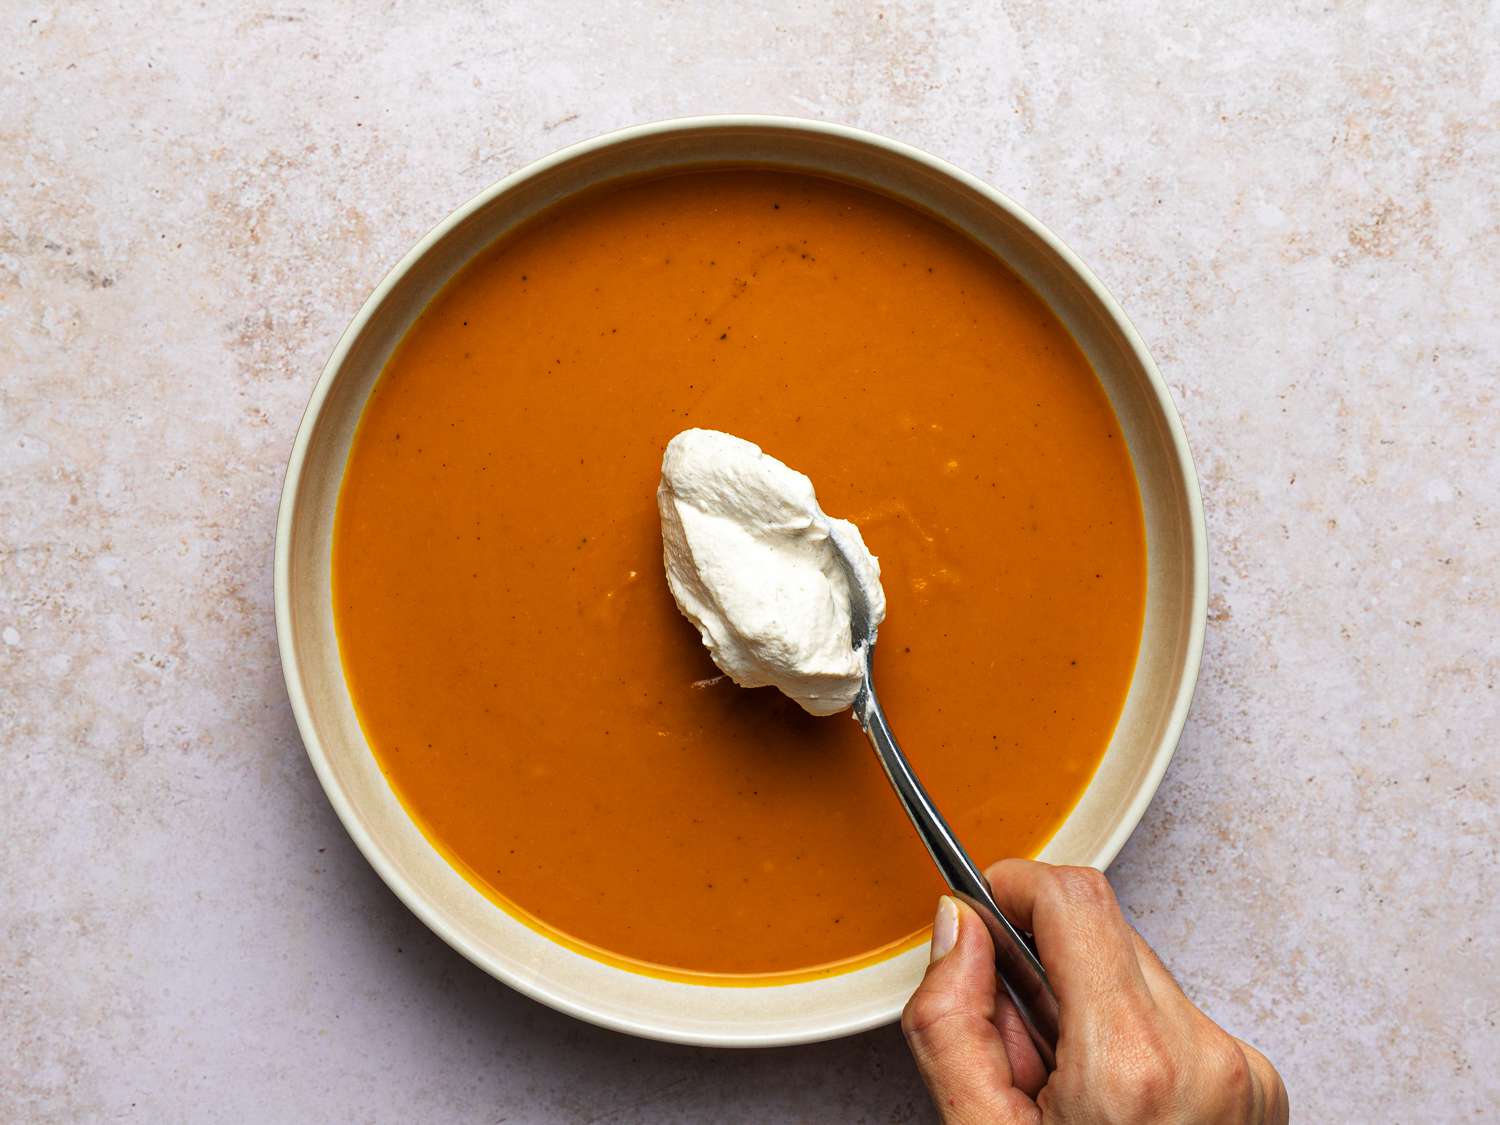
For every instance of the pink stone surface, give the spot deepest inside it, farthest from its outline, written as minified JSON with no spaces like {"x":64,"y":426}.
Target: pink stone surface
{"x":1296,"y":205}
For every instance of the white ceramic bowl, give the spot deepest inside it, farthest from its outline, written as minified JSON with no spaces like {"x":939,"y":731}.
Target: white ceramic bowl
{"x":513,"y":952}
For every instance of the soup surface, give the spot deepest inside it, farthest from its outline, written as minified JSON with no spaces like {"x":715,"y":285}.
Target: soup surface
{"x":519,"y":667}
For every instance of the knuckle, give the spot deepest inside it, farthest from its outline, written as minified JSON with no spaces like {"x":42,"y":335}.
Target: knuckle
{"x":1225,"y":1080}
{"x":935,"y":1027}
{"x":1147,"y":1091}
{"x":1085,"y":885}
{"x":1147,"y":1079}
{"x":1243,"y":1077}
{"x":1227,"y":1067}
{"x":922,"y":1012}
{"x":998,"y":870}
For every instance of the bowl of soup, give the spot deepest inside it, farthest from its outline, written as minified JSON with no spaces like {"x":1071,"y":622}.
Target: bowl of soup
{"x":517,"y":728}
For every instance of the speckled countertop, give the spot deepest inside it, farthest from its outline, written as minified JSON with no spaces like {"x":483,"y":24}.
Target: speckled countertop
{"x":1298,"y":208}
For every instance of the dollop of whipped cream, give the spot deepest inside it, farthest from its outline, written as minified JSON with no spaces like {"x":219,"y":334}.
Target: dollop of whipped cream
{"x":750,"y":559}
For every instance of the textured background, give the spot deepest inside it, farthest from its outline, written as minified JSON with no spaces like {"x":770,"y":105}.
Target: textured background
{"x":1299,"y":210}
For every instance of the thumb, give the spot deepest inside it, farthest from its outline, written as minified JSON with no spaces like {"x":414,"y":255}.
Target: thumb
{"x":949,"y":1025}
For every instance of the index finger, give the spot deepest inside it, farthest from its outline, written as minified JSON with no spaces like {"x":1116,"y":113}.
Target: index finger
{"x":1082,"y":939}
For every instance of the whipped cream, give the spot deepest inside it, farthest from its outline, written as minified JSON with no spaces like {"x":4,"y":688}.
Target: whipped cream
{"x":750,"y":559}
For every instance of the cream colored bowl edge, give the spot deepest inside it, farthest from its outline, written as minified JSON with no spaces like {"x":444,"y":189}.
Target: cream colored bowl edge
{"x":1099,"y":825}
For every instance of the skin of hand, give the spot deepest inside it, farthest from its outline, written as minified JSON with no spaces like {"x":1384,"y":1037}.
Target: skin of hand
{"x":1131,"y":1046}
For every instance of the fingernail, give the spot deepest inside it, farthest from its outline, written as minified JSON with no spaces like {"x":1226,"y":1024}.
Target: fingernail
{"x":944,"y":928}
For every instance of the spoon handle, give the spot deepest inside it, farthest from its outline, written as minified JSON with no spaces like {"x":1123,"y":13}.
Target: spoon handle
{"x":1015,"y":962}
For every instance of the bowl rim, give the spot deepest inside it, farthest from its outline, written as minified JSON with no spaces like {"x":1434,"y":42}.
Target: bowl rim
{"x":291,"y":487}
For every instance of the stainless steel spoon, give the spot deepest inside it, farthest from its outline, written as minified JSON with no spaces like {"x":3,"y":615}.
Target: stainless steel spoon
{"x":1015,"y":962}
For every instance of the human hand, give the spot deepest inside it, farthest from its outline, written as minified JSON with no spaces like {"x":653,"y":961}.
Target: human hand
{"x":1131,"y":1047}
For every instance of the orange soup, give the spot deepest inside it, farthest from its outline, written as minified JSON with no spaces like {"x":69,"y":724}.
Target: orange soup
{"x":531,"y":692}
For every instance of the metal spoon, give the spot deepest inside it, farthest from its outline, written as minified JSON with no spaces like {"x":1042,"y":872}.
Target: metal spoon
{"x":1015,"y":962}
